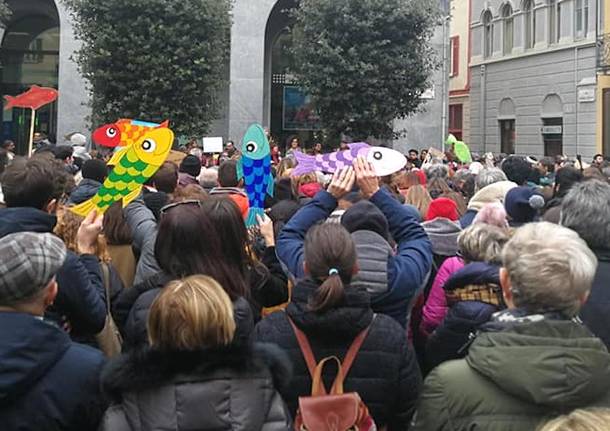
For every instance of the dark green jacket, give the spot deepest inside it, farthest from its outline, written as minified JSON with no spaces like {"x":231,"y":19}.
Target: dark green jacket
{"x":516,"y":378}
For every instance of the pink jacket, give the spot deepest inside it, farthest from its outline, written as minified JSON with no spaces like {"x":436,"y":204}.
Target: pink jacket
{"x":436,"y":304}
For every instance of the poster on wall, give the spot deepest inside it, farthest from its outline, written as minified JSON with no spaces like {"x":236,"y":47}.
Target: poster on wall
{"x":212,"y":145}
{"x":298,"y":111}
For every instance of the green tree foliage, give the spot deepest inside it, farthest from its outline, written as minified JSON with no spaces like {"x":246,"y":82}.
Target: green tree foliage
{"x":364,"y":62}
{"x":154,"y":59}
{"x":5,"y":13}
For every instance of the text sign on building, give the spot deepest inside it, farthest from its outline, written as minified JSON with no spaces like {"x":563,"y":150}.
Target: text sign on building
{"x":586,"y":95}
{"x":552,"y":130}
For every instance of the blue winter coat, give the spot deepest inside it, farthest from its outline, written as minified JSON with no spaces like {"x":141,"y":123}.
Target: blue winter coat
{"x":81,"y":297}
{"x":47,"y":382}
{"x":85,"y":190}
{"x":407,"y":268}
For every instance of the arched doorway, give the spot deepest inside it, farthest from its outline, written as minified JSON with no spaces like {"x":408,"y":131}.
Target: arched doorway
{"x":287,"y":108}
{"x":29,"y":55}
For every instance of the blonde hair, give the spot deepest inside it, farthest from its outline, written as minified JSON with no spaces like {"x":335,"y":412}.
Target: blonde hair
{"x":67,"y":227}
{"x":550,"y":268}
{"x":419,"y":197}
{"x":596,"y":419}
{"x":191,"y":314}
{"x":482,"y":242}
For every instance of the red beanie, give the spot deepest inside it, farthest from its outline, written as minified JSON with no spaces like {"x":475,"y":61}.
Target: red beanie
{"x":422,"y":177}
{"x":442,"y":207}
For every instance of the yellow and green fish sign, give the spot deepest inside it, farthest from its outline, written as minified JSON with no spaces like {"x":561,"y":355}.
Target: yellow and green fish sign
{"x":133,"y":166}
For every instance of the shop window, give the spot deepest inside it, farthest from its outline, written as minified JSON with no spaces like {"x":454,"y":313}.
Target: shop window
{"x":552,"y":136}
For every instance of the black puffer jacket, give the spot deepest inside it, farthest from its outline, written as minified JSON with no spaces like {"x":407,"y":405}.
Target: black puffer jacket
{"x":133,"y":305}
{"x":225,"y":389}
{"x":450,"y":339}
{"x":385,"y":372}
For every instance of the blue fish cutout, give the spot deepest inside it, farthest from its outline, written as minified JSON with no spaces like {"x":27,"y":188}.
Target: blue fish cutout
{"x":254,"y":167}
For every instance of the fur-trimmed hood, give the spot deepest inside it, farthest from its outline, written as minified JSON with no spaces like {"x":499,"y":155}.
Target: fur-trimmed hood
{"x":148,"y":368}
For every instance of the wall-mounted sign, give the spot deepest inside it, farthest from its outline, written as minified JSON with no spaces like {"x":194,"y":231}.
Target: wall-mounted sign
{"x":552,"y":130}
{"x":586,"y":95}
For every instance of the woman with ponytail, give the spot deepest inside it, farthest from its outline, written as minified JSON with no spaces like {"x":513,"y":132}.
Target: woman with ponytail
{"x":331,"y":313}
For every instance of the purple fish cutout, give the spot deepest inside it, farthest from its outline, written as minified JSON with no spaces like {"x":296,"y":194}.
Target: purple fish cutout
{"x":385,"y":160}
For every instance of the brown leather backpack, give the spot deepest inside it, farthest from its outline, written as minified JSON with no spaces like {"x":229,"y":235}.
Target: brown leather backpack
{"x":336,"y":411}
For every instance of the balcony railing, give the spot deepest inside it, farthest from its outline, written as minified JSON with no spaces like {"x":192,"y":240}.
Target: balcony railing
{"x":603,"y":52}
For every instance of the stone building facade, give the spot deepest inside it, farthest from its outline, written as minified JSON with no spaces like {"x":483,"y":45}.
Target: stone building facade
{"x":38,"y":44}
{"x":534,"y":80}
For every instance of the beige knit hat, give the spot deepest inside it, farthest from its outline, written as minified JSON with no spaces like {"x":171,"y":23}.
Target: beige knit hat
{"x":495,"y":192}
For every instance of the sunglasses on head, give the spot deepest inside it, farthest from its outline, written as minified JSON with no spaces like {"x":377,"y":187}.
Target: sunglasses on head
{"x":166,"y":208}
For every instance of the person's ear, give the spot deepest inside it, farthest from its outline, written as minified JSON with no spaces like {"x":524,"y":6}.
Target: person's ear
{"x":51,"y":207}
{"x":584,"y":297}
{"x":355,"y":269}
{"x":506,"y":288}
{"x":305,"y":268}
{"x":51,"y":293}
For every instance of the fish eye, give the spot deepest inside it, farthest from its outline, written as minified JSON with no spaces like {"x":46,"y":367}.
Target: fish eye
{"x":377,"y":155}
{"x":111,"y":132}
{"x":251,"y":147}
{"x":149,"y":145}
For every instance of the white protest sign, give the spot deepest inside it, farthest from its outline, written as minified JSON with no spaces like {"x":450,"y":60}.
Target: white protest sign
{"x":212,"y":145}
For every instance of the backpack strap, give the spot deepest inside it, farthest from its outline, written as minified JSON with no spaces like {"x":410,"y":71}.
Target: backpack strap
{"x":305,"y":347}
{"x":349,"y":358}
{"x":106,"y":279}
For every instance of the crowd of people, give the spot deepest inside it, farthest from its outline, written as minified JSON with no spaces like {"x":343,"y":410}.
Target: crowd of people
{"x":450,"y":296}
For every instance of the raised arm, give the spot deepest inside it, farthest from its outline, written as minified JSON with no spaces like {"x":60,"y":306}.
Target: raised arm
{"x":291,"y":240}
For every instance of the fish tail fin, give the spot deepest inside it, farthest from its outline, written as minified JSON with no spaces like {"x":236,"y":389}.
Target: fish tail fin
{"x":9,"y":102}
{"x":305,"y":164}
{"x":252,"y":213}
{"x":84,"y":209}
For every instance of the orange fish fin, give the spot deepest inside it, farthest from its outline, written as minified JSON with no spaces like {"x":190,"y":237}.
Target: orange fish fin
{"x":165,"y":124}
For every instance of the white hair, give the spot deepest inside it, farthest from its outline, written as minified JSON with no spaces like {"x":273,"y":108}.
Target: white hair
{"x":550,"y":268}
{"x":489,"y":176}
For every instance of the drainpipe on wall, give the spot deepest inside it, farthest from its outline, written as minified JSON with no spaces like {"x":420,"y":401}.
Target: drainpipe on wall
{"x":576,"y":96}
{"x":445,"y":86}
{"x":483,"y":107}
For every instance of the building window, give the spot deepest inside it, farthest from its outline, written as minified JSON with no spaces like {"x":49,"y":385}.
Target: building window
{"x":488,"y":34}
{"x":455,"y":55}
{"x":530,"y":24}
{"x":554,"y":21}
{"x":582,"y":18}
{"x":552,"y":135}
{"x":507,"y":14}
{"x":456,"y":120}
{"x":507,"y":136}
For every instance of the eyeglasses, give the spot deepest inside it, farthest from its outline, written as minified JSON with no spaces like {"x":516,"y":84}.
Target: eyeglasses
{"x":166,"y":208}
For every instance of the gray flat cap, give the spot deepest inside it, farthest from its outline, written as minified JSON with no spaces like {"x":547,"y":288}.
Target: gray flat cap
{"x":28,"y":261}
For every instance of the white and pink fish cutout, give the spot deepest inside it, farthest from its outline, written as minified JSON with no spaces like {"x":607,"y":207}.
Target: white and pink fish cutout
{"x":384,"y":160}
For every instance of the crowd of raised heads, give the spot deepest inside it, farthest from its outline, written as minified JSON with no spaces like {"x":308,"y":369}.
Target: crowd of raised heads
{"x":447,"y":296}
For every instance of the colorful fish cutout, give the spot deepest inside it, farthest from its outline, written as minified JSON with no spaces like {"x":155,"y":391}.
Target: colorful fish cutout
{"x":35,"y":98}
{"x":385,"y":160}
{"x":254,"y":167}
{"x":134,"y":166}
{"x":461,"y":150}
{"x":123,"y":133}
